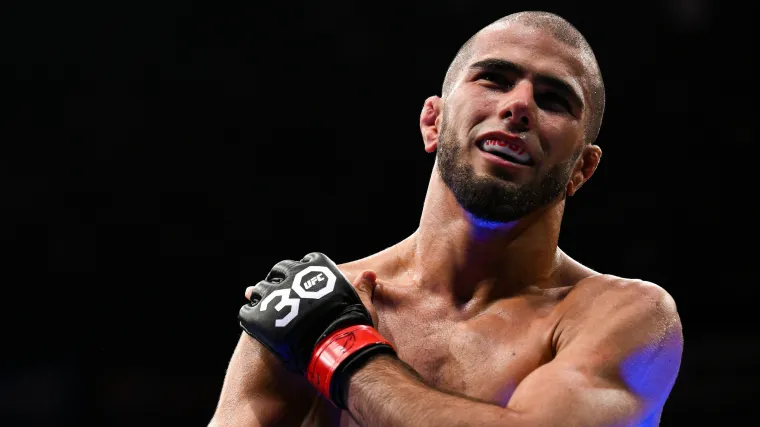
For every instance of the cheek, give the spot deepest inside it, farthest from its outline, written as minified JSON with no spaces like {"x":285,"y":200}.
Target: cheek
{"x":474,"y":106}
{"x":473,"y":117}
{"x":483,"y":105}
{"x":559,"y":137}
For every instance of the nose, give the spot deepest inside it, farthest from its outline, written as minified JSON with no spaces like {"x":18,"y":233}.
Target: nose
{"x":518,"y":107}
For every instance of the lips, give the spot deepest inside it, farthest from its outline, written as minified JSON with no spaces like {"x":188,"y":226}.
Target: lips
{"x":509,"y":149}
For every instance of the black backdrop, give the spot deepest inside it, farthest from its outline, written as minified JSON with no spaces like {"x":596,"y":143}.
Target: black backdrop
{"x":158,"y":158}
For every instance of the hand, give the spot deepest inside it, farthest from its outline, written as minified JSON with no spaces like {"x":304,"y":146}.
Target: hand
{"x":364,"y":284}
{"x":309,"y":316}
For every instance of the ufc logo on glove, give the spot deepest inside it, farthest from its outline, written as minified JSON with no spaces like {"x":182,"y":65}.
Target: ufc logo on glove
{"x":303,"y":292}
{"x":326,"y":333}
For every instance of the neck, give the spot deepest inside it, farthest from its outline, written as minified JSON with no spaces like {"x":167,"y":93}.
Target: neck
{"x":454,"y":253}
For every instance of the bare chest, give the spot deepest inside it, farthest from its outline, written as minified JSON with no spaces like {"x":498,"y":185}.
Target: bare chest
{"x":484,"y":357}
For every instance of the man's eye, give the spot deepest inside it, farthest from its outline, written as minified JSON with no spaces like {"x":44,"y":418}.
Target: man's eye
{"x":494,"y":78}
{"x":552,"y":102}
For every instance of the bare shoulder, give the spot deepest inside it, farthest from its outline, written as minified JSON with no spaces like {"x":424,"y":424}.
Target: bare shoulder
{"x":628,"y":327}
{"x":383,"y":263}
{"x":352,"y":269}
{"x":606,"y":294}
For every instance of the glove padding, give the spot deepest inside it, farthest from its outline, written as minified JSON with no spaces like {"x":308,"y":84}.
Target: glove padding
{"x":299,"y":304}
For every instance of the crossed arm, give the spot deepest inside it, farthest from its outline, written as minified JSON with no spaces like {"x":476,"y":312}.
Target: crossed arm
{"x":615,"y":365}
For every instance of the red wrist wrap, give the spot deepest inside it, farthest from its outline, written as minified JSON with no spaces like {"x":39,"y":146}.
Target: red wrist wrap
{"x":336,"y":348}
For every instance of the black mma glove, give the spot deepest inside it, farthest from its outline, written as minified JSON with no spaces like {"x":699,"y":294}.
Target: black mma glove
{"x":309,"y":315}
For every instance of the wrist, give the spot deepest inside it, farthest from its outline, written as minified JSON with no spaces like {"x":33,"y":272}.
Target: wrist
{"x":336,"y":358}
{"x":375,"y":361}
{"x":382,"y":375}
{"x":367,"y":369}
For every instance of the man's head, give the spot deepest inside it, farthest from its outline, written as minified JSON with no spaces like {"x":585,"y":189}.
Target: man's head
{"x":526,"y":87}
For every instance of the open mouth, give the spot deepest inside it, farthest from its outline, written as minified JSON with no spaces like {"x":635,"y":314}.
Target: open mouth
{"x":509,"y":151}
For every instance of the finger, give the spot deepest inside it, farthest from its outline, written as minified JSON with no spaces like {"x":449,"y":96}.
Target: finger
{"x":248,"y":292}
{"x":281,"y":270}
{"x":365,"y":284}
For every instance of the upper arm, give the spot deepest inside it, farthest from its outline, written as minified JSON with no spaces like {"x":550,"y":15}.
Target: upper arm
{"x":258,"y":391}
{"x":616,"y":362}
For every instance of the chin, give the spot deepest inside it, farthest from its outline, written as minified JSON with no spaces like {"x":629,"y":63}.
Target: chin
{"x":499,"y":177}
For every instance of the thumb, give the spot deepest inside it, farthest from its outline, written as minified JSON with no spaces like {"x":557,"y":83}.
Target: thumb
{"x":365,"y":284}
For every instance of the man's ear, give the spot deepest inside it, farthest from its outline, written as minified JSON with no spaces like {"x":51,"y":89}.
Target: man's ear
{"x":584,"y":167}
{"x":430,"y":120}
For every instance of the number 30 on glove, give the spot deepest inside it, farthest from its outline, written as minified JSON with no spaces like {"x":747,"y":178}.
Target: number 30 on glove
{"x":309,"y":315}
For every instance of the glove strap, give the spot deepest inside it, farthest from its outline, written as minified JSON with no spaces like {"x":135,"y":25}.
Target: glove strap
{"x":336,"y":349}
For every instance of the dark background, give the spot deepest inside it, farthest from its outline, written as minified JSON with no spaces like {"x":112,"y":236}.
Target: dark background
{"x":158,"y":158}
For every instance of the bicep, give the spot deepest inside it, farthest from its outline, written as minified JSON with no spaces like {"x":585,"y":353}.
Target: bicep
{"x":259,"y":391}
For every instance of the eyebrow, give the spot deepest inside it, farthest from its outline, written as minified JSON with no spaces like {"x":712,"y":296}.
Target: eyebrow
{"x":504,"y":66}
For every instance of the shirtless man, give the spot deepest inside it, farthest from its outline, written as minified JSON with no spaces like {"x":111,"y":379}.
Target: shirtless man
{"x":492,"y":324}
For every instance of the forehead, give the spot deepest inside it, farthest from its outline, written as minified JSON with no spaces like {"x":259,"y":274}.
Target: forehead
{"x":536,"y":50}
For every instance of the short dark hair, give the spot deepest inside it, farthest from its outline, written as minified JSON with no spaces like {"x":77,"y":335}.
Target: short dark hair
{"x":564,"y":32}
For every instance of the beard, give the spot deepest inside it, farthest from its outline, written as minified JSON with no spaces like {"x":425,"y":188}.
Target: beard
{"x":495,"y":198}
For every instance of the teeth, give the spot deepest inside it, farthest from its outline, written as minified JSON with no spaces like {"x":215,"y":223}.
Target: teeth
{"x":509,"y":149}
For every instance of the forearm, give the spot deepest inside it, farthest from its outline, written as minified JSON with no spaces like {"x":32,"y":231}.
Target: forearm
{"x":387,"y":392}
{"x":257,"y":391}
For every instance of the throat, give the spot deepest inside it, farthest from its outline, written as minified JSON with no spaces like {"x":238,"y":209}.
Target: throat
{"x":449,"y":253}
